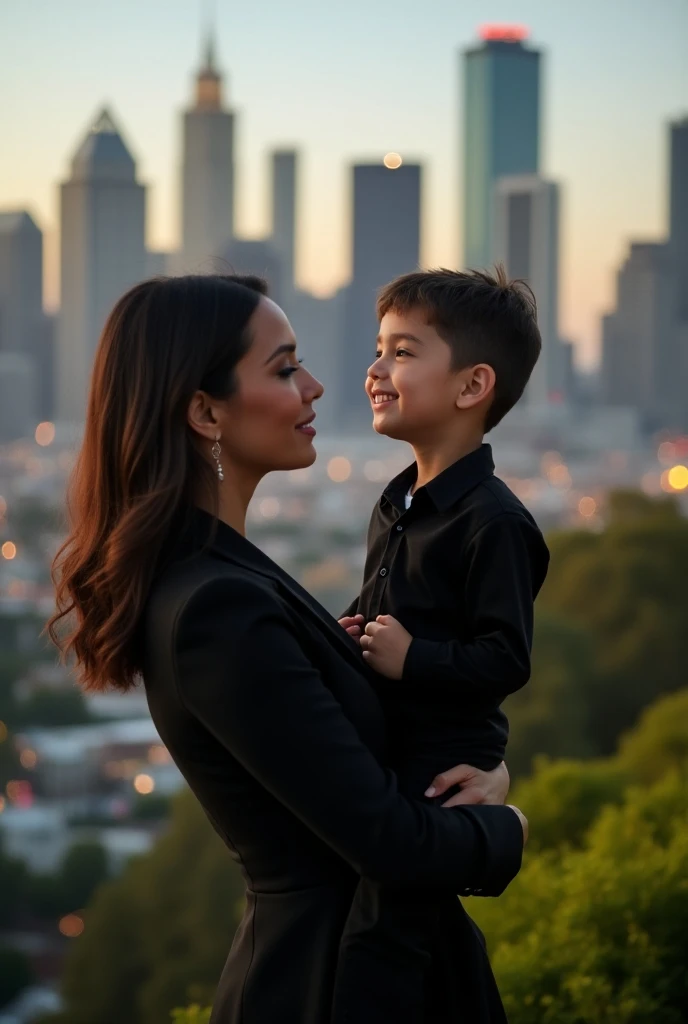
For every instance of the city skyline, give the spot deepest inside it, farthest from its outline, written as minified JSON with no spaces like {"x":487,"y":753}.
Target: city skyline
{"x":58,"y":83}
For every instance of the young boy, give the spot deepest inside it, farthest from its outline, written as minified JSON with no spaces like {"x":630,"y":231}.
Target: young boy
{"x":445,"y":614}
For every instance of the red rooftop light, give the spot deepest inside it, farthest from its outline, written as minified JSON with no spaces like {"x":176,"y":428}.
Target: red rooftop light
{"x":503,"y":33}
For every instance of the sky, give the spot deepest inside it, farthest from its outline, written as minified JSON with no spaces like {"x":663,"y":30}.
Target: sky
{"x":345,"y":80}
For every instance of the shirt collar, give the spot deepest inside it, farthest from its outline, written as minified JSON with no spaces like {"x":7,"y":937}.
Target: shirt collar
{"x":449,"y":487}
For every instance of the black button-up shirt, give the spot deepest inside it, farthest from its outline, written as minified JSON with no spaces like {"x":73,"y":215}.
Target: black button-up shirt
{"x":460,"y":569}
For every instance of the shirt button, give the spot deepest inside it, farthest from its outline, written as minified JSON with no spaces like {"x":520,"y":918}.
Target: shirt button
{"x":383,"y":572}
{"x":400,"y":527}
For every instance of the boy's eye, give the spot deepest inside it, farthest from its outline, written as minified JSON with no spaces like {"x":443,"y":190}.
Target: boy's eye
{"x":403,"y":352}
{"x":378,"y":353}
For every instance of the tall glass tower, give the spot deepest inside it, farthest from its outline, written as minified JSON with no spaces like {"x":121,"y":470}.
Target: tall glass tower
{"x":501,"y":128}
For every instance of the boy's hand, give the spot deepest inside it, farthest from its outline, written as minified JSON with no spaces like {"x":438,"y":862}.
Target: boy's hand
{"x":385,"y":644}
{"x":353,"y":624}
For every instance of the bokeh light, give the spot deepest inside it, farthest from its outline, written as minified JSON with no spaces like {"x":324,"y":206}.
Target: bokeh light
{"x":269,"y":507}
{"x":45,"y":434}
{"x":28,"y":759}
{"x":587,"y":507}
{"x":71,"y":926}
{"x":339,"y":469}
{"x":392,"y":161}
{"x":678,"y":478}
{"x":9,"y":550}
{"x":144,"y":784}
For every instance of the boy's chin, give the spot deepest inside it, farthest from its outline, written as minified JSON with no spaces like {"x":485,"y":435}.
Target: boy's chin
{"x":394,"y":430}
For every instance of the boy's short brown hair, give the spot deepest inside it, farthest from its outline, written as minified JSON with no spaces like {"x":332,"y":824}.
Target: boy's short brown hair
{"x":483,"y":317}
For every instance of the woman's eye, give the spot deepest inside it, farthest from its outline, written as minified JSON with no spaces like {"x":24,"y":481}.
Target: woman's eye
{"x":287,"y":371}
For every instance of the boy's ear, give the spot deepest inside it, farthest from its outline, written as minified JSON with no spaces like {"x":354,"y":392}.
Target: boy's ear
{"x":476,"y":383}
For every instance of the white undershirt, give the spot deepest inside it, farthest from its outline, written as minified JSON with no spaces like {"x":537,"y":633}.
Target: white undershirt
{"x":408,"y":498}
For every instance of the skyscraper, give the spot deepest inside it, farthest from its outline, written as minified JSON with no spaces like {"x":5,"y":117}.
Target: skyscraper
{"x":284,"y":178}
{"x":501,"y":128}
{"x":526,"y":240}
{"x":25,"y":331}
{"x":386,"y":243}
{"x":207,"y":171}
{"x":639,"y":369}
{"x":102,"y":253}
{"x":678,"y":212}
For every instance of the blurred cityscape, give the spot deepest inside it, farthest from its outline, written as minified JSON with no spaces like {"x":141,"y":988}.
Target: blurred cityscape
{"x":90,"y":773}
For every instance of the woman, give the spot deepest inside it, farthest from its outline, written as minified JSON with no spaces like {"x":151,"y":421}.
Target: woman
{"x":259,"y":695}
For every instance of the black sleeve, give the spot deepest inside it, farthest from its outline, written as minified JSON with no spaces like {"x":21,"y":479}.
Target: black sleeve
{"x":503,"y":569}
{"x":243,"y":674}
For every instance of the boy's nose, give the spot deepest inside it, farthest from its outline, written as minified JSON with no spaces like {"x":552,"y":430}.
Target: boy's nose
{"x":375,"y":369}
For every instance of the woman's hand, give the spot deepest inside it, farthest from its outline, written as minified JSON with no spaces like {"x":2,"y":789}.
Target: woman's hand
{"x":477,"y":787}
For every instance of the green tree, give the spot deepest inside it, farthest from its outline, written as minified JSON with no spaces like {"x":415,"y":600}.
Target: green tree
{"x":626,"y":588}
{"x":157,"y":937}
{"x":51,"y":708}
{"x":659,"y":743}
{"x":563,"y":798}
{"x":13,"y":885}
{"x":598,"y":935}
{"x":15,"y":974}
{"x":550,"y":715}
{"x":83,"y":870}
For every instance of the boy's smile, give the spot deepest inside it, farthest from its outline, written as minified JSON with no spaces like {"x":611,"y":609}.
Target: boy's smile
{"x":411,"y":385}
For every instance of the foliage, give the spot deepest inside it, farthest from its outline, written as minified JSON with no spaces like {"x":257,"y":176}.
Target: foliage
{"x":192,"y":1015}
{"x":15,"y":974}
{"x":157,"y":937}
{"x":613,"y":615}
{"x":598,"y":935}
{"x":595,"y":927}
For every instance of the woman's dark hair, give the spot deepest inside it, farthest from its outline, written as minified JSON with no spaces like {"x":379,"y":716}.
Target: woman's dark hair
{"x":484,"y":318}
{"x":140,"y":465}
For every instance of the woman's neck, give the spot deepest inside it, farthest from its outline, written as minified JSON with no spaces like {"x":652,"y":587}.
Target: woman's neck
{"x":234,"y":495}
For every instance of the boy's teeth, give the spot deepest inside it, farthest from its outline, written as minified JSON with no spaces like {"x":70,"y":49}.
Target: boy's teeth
{"x":379,"y":399}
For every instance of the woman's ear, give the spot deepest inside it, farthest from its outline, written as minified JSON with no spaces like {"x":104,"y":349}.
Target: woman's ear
{"x":201,"y":416}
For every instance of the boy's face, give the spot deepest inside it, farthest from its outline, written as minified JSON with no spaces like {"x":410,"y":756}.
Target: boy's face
{"x":414,"y":392}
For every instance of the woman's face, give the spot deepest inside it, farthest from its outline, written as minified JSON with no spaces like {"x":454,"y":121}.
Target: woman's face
{"x":267,"y":424}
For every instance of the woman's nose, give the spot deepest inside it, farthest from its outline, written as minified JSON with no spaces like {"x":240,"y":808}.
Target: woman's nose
{"x":312,"y":388}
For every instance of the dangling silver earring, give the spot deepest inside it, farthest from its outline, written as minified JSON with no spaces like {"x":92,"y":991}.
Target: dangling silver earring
{"x":216,"y":452}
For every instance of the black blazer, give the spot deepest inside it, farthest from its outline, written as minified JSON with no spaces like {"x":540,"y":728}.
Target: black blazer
{"x":263,"y":702}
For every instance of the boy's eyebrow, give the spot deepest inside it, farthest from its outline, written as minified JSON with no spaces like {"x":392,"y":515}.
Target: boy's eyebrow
{"x":402,"y":336}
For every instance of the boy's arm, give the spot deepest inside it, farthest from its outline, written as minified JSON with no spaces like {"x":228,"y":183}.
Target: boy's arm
{"x":507,"y":560}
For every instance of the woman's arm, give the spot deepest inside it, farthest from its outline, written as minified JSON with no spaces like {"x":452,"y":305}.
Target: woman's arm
{"x":243,"y":674}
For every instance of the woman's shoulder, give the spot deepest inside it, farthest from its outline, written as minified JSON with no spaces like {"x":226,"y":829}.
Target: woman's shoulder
{"x":202,"y":585}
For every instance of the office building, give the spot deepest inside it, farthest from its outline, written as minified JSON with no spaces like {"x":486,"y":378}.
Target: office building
{"x":102,"y":254}
{"x":25,"y":330}
{"x":386,"y":243}
{"x":639,"y":368}
{"x":207,"y":172}
{"x":527,"y":243}
{"x":284,"y":168}
{"x":501,"y":116}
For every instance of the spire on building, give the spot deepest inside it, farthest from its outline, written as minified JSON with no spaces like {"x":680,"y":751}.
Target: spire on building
{"x":209,"y":79}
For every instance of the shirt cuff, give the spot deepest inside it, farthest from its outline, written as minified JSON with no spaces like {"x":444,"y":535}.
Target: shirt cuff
{"x":503,"y":850}
{"x":421,"y":659}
